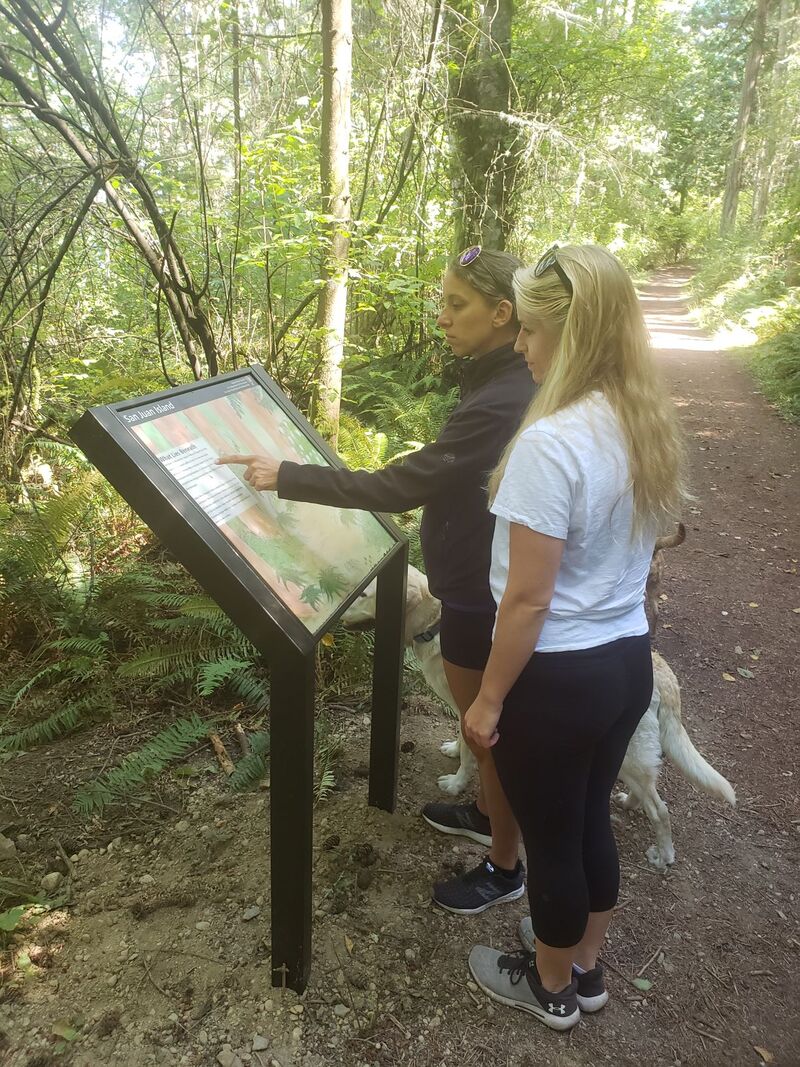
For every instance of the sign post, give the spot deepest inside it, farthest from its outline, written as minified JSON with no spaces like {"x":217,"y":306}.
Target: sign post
{"x":283,"y":571}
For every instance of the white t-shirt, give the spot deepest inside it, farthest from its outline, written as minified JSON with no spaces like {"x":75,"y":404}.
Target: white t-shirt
{"x":568,"y":477}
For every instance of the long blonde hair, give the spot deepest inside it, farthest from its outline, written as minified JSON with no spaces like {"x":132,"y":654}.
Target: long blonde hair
{"x":603,"y":345}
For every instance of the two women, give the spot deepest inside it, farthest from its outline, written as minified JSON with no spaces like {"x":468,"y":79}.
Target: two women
{"x":554,"y":696}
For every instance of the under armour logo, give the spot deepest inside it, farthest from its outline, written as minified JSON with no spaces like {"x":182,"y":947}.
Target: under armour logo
{"x":555,"y":1009}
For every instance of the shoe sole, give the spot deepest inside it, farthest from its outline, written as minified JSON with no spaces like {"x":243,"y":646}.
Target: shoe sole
{"x":587,"y":1005}
{"x":592,"y":1004}
{"x":515,"y":894}
{"x":460,"y":831}
{"x":555,"y":1022}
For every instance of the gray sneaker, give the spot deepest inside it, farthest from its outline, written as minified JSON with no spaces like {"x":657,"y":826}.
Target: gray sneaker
{"x":514,"y":980}
{"x":592,"y":992}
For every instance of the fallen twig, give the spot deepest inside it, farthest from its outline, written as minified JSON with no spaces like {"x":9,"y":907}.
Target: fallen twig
{"x":194,"y":955}
{"x":399,"y":1026}
{"x":65,"y":858}
{"x":705,"y":1033}
{"x":241,"y":739}
{"x":641,"y":970}
{"x":148,"y":974}
{"x":221,"y":753}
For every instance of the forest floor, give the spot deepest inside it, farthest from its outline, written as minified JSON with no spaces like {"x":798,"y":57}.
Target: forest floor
{"x":160,"y":954}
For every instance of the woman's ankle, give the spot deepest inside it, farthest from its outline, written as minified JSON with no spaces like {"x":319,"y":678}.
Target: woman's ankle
{"x":586,"y":961}
{"x":505,"y":862}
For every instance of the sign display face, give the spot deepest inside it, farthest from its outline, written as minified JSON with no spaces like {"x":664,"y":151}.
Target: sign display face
{"x":311,"y":556}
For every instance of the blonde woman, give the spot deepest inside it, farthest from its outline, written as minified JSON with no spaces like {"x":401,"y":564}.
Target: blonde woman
{"x":579,"y":495}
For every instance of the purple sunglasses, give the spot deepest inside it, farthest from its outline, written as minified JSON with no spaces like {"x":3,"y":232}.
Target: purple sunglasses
{"x":469,"y":255}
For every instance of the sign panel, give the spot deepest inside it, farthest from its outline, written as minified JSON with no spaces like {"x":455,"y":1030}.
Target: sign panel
{"x":312,"y":557}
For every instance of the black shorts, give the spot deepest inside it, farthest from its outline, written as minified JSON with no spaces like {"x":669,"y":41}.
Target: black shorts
{"x":465,"y":636}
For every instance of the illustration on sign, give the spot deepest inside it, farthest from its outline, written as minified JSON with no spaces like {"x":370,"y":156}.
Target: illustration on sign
{"x":311,"y":556}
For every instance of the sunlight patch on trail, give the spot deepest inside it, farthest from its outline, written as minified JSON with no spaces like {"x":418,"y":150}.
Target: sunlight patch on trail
{"x":677,"y":341}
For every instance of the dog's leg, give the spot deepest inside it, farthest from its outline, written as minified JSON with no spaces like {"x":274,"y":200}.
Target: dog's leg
{"x":662,"y":853}
{"x":451,"y":748}
{"x":458,"y":782}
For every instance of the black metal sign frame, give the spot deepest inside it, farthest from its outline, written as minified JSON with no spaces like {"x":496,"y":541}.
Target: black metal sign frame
{"x":287,"y":645}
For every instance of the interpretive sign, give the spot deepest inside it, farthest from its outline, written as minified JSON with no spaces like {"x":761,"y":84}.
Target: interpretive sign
{"x":284,"y":571}
{"x":313,"y":558}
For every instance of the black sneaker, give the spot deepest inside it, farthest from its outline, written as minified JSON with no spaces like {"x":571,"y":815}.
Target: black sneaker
{"x":513,"y":979}
{"x":592,"y":992}
{"x":479,"y":889}
{"x":464,"y":820}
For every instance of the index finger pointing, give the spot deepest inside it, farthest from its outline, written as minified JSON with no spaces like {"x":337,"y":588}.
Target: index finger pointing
{"x":247,"y":460}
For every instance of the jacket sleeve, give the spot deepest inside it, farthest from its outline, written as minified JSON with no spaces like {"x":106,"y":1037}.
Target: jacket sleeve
{"x":463,"y":449}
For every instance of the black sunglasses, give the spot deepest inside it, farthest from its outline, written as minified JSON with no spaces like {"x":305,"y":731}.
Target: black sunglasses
{"x":550,"y":260}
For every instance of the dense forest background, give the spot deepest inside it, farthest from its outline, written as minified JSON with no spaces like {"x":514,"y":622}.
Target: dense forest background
{"x":190,"y":187}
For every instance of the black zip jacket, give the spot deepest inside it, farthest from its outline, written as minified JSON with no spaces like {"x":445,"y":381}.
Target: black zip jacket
{"x":447,"y":477}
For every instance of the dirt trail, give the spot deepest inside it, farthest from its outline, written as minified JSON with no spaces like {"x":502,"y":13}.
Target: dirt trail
{"x":163,"y":957}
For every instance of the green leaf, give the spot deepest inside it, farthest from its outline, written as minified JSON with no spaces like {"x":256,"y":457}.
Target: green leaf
{"x":745,"y":673}
{"x":643,"y":983}
{"x":64,"y":1030}
{"x":9,"y":920}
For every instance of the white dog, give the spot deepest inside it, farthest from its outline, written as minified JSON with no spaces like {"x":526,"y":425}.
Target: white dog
{"x":660,"y":731}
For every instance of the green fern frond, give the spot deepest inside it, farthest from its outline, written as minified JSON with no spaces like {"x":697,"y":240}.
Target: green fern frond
{"x":253,"y":767}
{"x":212,"y":675}
{"x":360,"y":446}
{"x":324,"y":786}
{"x":253,"y":689}
{"x":88,"y":646}
{"x":203,"y":607}
{"x":58,"y":724}
{"x":346,"y":666}
{"x":37,"y":537}
{"x":161,"y":661}
{"x":156,"y":599}
{"x":50,"y":671}
{"x":136,"y":769}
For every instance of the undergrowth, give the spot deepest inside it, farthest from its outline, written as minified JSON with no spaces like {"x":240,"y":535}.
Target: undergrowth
{"x":96,"y":619}
{"x":750,"y":291}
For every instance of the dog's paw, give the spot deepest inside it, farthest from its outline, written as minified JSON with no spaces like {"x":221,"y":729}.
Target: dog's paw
{"x":450,"y":748}
{"x":659,"y":861}
{"x":627,"y":801}
{"x":452,"y":784}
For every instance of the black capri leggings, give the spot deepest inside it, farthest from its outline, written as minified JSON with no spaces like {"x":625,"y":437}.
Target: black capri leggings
{"x":565,"y":726}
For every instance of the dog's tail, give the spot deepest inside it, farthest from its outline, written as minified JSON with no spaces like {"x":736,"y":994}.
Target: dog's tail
{"x":677,"y":745}
{"x":673,"y":540}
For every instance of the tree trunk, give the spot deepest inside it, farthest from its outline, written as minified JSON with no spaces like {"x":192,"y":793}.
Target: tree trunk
{"x":337,"y":47}
{"x":778,"y":120}
{"x":479,"y":100}
{"x":733,"y":177}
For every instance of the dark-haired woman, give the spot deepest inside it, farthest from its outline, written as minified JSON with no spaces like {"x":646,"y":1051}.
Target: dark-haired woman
{"x":448,"y":478}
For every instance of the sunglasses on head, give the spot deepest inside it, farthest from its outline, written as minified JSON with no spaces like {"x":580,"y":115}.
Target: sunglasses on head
{"x":550,"y":261}
{"x":469,"y":255}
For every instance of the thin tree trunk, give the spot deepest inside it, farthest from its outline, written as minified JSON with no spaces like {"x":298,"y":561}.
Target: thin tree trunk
{"x":777,"y":118}
{"x":733,"y":177}
{"x":479,"y":97}
{"x":39,"y":309}
{"x":337,"y":46}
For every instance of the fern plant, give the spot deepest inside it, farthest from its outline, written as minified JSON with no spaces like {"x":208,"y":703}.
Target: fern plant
{"x":251,"y":769}
{"x":65,"y":720}
{"x":136,"y":770}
